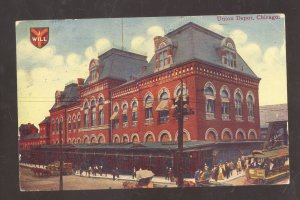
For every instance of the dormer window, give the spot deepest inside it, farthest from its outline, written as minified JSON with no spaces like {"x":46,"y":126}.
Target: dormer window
{"x":163,"y":58}
{"x":163,"y":52}
{"x":228,"y":52}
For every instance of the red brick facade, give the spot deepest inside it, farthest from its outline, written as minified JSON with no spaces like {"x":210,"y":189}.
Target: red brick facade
{"x":203,"y":82}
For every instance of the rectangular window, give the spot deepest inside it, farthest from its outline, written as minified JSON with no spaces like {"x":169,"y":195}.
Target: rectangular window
{"x":78,"y":124}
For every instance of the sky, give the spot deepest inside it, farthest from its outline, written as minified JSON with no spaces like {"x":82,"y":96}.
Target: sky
{"x":74,"y":42}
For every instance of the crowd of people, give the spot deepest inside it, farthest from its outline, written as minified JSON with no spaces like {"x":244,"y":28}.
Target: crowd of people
{"x":222,"y":171}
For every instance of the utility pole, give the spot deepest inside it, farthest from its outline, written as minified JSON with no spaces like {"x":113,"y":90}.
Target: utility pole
{"x":180,"y":136}
{"x":60,"y":157}
{"x":182,"y":110}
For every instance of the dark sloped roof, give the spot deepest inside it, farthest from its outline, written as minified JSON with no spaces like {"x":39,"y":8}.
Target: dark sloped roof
{"x":45,"y":121}
{"x":193,"y":42}
{"x":71,"y":96}
{"x":271,"y":113}
{"x":119,"y":64}
{"x":31,"y":136}
{"x":271,"y":153}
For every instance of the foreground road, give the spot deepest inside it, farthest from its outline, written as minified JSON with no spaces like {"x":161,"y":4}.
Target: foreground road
{"x":28,"y":182}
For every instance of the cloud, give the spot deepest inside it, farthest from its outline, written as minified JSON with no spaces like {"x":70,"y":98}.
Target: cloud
{"x":216,"y":28}
{"x":269,"y":65}
{"x":100,"y":46}
{"x":144,"y":44}
{"x":239,"y":37}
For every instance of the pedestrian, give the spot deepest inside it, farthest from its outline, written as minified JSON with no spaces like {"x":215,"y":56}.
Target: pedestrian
{"x":231,"y":167}
{"x":227,"y":170}
{"x":239,"y":166}
{"x":213,"y":172}
{"x":114,"y":174}
{"x":100,"y":170}
{"x":247,"y":174}
{"x":133,"y":173}
{"x":170,"y":174}
{"x":166,"y":173}
{"x":216,"y":173}
{"x":117,"y":173}
{"x":196,"y":175}
{"x":221,"y":173}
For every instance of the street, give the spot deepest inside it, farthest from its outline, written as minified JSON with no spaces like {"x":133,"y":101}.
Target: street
{"x":29,"y":182}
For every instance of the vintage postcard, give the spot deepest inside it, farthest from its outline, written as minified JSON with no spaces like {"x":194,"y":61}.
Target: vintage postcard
{"x":125,"y":103}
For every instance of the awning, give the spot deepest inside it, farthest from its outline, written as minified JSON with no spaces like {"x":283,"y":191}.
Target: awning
{"x":184,"y":97}
{"x":100,"y":107}
{"x":124,"y":112}
{"x":149,"y":104}
{"x":114,"y":116}
{"x":226,"y":100}
{"x":210,"y":97}
{"x":163,"y":105}
{"x":134,"y":109}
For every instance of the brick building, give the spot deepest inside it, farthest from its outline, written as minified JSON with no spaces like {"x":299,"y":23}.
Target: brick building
{"x":30,"y":135}
{"x":126,"y":99}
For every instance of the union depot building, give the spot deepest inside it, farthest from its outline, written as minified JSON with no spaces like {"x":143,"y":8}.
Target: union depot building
{"x":124,"y":113}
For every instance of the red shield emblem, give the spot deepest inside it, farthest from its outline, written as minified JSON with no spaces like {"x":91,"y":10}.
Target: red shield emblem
{"x":39,"y":37}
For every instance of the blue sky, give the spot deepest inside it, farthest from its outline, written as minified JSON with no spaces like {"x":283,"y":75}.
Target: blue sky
{"x":73,"y":43}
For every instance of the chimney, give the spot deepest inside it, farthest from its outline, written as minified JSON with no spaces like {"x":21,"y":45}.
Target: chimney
{"x":80,"y":82}
{"x":156,"y":41}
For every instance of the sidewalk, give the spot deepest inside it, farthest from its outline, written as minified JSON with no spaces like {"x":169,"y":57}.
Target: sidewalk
{"x":156,"y":179}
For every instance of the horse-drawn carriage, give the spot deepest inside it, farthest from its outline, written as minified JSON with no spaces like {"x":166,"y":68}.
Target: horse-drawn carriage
{"x":144,"y":178}
{"x":54,"y":168}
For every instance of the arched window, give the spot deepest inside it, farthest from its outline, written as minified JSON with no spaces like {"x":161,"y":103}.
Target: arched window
{"x":69,"y":124}
{"x":116,"y":140}
{"x":134,"y":113}
{"x":56,"y":126}
{"x":229,"y":57}
{"x":86,"y":140}
{"x":74,"y":122}
{"x":78,"y":121}
{"x":101,"y":117}
{"x":78,"y":141}
{"x":149,"y":138}
{"x":115,"y":118}
{"x":125,"y":139}
{"x":225,"y":104}
{"x":135,"y":139}
{"x":101,"y":112}
{"x":86,"y":115}
{"x":226,"y":136}
{"x":238,"y":105}
{"x":93,"y":140}
{"x":165,"y":137}
{"x":148,"y":110}
{"x":239,"y":136}
{"x":61,"y":125}
{"x":211,"y":136}
{"x":250,"y":107}
{"x":74,"y":141}
{"x":124,"y":115}
{"x":101,"y":140}
{"x":252,"y":136}
{"x":93,"y":116}
{"x":163,"y":108}
{"x":210,"y":101}
{"x":53,"y":126}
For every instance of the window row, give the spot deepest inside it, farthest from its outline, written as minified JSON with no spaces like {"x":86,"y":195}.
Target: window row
{"x":210,"y":98}
{"x":227,"y":135}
